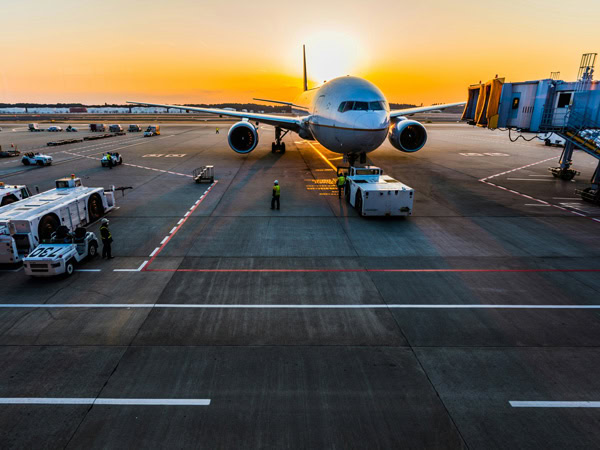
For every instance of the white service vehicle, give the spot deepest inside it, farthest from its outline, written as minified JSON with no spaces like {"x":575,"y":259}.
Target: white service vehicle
{"x":30,"y":159}
{"x":23,"y":225}
{"x":553,"y":139}
{"x":59,"y":254}
{"x":374,"y":194}
{"x":54,"y":129}
{"x":13,"y":193}
{"x":115,"y":159}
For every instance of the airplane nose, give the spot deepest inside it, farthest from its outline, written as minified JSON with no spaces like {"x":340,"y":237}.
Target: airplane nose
{"x":372,"y":120}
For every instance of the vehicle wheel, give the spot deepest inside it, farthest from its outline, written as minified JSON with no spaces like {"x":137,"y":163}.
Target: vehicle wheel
{"x":358,"y":203}
{"x":273,"y":147}
{"x":26,"y":162}
{"x":95,"y":208}
{"x":121,"y":161}
{"x":47,"y":226}
{"x":212,"y":180}
{"x":547,"y":143}
{"x":567,"y":176}
{"x":40,"y":163}
{"x":70,"y":267}
{"x":93,"y":250}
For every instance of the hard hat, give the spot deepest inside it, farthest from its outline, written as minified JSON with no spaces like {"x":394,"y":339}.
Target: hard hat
{"x":105,"y":220}
{"x":275,"y":182}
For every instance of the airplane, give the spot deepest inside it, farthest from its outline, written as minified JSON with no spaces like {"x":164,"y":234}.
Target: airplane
{"x":347,"y":115}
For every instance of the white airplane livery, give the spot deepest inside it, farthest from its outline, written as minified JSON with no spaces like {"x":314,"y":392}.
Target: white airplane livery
{"x":347,"y":115}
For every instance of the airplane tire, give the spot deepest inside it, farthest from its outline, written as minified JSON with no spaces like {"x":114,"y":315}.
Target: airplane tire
{"x":282,"y":146}
{"x":273,"y":147}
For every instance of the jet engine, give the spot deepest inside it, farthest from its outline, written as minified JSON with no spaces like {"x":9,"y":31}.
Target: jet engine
{"x":407,"y":135}
{"x":243,"y":137}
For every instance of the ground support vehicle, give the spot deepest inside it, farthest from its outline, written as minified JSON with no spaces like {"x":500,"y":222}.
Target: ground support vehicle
{"x":25,"y":224}
{"x":12,"y":151}
{"x":61,"y":253}
{"x":36,"y":158}
{"x":34,"y":127}
{"x":554,"y":139}
{"x":98,"y":127}
{"x":116,"y":159}
{"x":152,"y":130}
{"x":54,"y":129}
{"x":373,"y":194}
{"x":115,"y":128}
{"x":13,"y":193}
{"x":134,"y":128}
{"x":71,"y":129}
{"x":204,"y":173}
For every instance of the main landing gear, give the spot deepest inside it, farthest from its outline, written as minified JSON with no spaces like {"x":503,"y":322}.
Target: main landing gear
{"x":564,"y":171}
{"x":352,"y":157}
{"x":278,"y":145}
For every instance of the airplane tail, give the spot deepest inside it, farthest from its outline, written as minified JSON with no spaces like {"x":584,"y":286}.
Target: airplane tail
{"x":304,"y":65}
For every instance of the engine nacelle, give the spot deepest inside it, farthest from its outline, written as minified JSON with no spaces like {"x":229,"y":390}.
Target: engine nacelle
{"x":407,"y":135}
{"x":243,"y":137}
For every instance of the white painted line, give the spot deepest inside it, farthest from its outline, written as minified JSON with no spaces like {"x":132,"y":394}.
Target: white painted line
{"x":172,"y":229}
{"x":543,"y":404}
{"x":283,"y":306}
{"x":544,"y":176}
{"x":154,"y":252}
{"x":197,"y":201}
{"x":88,"y":270}
{"x":187,"y":214}
{"x":142,"y":266}
{"x":105,"y":401}
{"x":180,"y":220}
{"x":536,"y":204}
{"x":164,"y":240}
{"x":568,"y":198}
{"x":526,"y":179}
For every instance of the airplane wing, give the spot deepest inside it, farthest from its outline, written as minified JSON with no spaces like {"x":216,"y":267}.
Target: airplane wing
{"x":287,"y":123}
{"x":280,"y":102}
{"x":420,"y":109}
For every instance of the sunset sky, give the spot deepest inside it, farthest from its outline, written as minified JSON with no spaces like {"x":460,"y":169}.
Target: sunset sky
{"x":199,"y":51}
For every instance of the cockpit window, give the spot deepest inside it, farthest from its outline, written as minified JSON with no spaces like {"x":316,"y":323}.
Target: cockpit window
{"x":362,"y":106}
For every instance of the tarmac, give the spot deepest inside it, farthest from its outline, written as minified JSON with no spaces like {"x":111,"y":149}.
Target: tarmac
{"x":222,"y":323}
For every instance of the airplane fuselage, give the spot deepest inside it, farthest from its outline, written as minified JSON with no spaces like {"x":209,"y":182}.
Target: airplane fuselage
{"x":346,"y":115}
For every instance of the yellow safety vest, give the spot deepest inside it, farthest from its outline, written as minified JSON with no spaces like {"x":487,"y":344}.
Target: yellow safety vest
{"x":276,"y":190}
{"x":341,"y":180}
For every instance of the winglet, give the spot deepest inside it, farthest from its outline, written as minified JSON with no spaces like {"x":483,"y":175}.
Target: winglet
{"x":304,"y":65}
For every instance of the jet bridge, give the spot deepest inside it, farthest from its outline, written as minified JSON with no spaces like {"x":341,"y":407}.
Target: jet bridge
{"x":571,"y":110}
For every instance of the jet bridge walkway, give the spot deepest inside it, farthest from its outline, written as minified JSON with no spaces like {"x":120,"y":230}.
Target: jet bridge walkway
{"x":570,"y":110}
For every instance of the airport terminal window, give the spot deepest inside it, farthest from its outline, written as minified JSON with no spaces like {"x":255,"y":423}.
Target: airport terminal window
{"x":564,"y":100}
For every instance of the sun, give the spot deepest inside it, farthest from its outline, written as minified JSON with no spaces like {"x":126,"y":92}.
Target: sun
{"x":332,"y":54}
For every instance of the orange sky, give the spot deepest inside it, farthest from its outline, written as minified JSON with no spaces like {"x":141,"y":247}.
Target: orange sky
{"x":230,"y":51}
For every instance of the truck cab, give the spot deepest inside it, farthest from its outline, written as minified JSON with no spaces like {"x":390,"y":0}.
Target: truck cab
{"x":152,"y":130}
{"x":372,"y":193}
{"x":13,"y":193}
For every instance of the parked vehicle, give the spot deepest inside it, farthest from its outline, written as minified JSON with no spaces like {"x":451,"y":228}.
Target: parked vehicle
{"x":25,"y":224}
{"x":12,"y":151}
{"x":34,"y":127}
{"x":134,"y":128}
{"x":71,"y":129}
{"x":36,"y":158}
{"x":54,"y":129}
{"x":61,"y":253}
{"x":115,"y":128}
{"x":152,"y":130}
{"x":97,"y":127}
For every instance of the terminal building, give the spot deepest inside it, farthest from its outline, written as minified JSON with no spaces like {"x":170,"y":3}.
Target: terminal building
{"x":569,"y":109}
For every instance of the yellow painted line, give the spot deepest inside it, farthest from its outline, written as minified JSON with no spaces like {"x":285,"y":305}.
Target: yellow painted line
{"x":322,"y":156}
{"x":335,"y":159}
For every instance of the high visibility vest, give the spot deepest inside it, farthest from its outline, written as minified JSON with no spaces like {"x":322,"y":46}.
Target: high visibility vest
{"x":108,"y":157}
{"x":341,"y":180}
{"x":276,"y":190}
{"x":105,"y":232}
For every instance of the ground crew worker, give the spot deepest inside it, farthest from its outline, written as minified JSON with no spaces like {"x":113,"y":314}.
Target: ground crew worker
{"x":217,"y":131}
{"x":276,"y":194}
{"x":341,"y":182}
{"x":109,"y":159}
{"x":106,"y":240}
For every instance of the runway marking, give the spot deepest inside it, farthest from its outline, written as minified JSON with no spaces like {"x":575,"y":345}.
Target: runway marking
{"x":377,"y":270}
{"x":485,"y":180}
{"x":88,"y":270}
{"x":536,"y":204}
{"x":550,"y":404}
{"x":568,"y":198}
{"x":527,"y":179}
{"x":105,"y":401}
{"x":283,"y":306}
{"x":139,"y":269}
{"x":172,"y":229}
{"x":182,"y":221}
{"x":163,"y":241}
{"x":322,"y":156}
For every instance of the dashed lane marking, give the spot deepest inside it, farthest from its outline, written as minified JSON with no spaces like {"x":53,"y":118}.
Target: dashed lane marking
{"x":139,"y":269}
{"x":552,"y":404}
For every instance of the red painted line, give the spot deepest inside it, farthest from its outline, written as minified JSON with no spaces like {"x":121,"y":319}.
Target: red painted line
{"x":181,"y":222}
{"x":372,"y":270}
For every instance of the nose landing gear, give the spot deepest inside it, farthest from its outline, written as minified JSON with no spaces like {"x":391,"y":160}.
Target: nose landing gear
{"x":352,"y":157}
{"x":278,"y":145}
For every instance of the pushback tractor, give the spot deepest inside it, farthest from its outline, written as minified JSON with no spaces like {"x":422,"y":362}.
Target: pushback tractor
{"x":25,"y":224}
{"x":372,"y":193}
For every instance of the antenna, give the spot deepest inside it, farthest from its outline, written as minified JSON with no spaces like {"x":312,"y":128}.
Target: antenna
{"x":304,"y":65}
